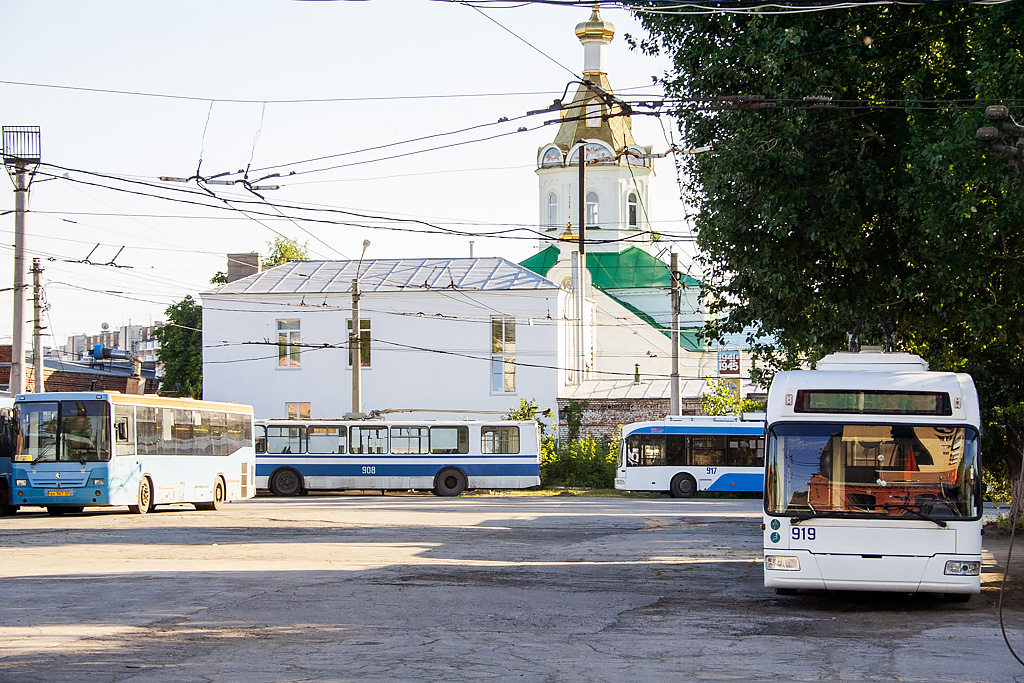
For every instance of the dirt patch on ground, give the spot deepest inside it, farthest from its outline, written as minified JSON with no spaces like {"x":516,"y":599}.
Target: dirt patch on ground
{"x":996,"y":546}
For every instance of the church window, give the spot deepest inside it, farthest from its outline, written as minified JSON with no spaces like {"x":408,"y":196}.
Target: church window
{"x":633,"y":210}
{"x":593,"y":115}
{"x":552,"y":210}
{"x":592,"y":205}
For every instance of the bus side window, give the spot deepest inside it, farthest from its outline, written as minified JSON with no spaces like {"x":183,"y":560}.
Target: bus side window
{"x":261,"y":439}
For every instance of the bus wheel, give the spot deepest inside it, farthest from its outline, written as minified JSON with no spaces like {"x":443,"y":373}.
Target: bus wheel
{"x":286,"y":482}
{"x":145,"y":498}
{"x":683,"y":486}
{"x":218,"y":497}
{"x":449,"y":482}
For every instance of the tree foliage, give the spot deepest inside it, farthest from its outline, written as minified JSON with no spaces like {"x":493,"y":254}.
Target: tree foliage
{"x":181,"y":349}
{"x":882,"y":206}
{"x":722,"y":398}
{"x":529,"y":410}
{"x":285,"y":250}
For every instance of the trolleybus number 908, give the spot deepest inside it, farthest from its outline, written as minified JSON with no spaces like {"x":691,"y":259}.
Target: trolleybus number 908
{"x":370,"y":470}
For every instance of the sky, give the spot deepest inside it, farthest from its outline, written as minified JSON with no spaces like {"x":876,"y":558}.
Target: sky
{"x":126,"y":92}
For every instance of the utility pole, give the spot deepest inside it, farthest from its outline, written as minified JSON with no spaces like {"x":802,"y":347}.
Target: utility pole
{"x":37,"y":327}
{"x":676,"y":407}
{"x":580,"y":268}
{"x":355,"y":344}
{"x":21,"y":156}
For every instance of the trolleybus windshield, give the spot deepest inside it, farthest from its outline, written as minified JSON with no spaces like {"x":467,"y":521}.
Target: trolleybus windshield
{"x":868,"y":470}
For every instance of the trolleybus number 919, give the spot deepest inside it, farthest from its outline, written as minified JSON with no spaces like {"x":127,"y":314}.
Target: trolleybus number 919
{"x":802,"y":533}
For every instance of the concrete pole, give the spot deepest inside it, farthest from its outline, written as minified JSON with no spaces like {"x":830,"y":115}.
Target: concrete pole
{"x":676,"y":407}
{"x":580,"y":274}
{"x":17,"y":384}
{"x":357,"y":357}
{"x":37,"y":328}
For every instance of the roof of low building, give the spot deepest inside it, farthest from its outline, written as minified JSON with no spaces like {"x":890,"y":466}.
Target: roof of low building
{"x":389,"y":275}
{"x":632,"y":268}
{"x":628,"y":389}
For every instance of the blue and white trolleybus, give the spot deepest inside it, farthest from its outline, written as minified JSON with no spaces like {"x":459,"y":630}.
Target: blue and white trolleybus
{"x":683,"y":454}
{"x":446,"y":457}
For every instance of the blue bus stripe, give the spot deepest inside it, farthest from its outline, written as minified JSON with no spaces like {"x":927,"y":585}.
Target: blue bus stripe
{"x":738,"y":482}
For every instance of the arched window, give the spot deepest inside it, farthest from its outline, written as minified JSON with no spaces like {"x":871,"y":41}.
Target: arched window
{"x":552,"y":210}
{"x":592,"y":210}
{"x":633,"y":211}
{"x":593,"y":115}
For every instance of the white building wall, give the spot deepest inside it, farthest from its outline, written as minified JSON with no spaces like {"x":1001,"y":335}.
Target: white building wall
{"x":430,"y":350}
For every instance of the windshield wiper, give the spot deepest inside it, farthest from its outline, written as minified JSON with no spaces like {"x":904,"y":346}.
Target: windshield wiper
{"x":815,"y":514}
{"x":915,"y":510}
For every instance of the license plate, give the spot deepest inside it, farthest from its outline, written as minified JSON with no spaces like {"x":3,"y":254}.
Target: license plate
{"x":58,"y":494}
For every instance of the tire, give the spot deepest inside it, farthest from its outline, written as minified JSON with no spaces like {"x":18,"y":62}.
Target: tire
{"x":286,"y":482}
{"x":145,"y":498}
{"x":683,"y":486}
{"x":449,"y":482}
{"x":219,"y":497}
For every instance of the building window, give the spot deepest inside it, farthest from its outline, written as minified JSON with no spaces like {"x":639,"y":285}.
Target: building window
{"x":297,"y":411}
{"x":287,"y":343}
{"x":593,"y":115}
{"x":364,"y":342}
{"x":633,"y":210}
{"x":552,"y":210}
{"x":592,"y":210}
{"x":503,"y":355}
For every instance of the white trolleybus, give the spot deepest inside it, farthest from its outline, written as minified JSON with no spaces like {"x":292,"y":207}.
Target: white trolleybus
{"x":446,"y":457}
{"x":75,"y":450}
{"x":872,"y":478}
{"x":685,"y":454}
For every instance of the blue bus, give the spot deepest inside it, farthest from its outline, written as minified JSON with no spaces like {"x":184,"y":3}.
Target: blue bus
{"x":446,"y":457}
{"x":79,"y":449}
{"x":7,"y":506}
{"x":683,"y":454}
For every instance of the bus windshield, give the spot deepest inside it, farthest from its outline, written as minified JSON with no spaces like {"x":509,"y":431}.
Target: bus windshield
{"x":53,"y":431}
{"x":909,"y":471}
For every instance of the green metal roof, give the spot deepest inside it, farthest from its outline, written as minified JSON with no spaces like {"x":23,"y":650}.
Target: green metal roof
{"x":633,"y":268}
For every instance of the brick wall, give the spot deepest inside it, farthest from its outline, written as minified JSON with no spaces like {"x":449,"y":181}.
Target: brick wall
{"x":602,"y":417}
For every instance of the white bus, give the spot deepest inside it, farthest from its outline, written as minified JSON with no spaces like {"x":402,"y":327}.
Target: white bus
{"x":683,"y":454}
{"x":446,"y":457}
{"x":872,"y":478}
{"x":79,"y":449}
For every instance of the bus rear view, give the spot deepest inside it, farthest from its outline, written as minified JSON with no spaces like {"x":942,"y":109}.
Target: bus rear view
{"x":872,"y":478}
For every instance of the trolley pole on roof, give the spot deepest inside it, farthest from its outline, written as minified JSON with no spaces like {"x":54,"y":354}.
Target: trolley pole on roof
{"x":21,"y":157}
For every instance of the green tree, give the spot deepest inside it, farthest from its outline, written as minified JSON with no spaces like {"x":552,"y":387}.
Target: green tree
{"x":529,"y":410}
{"x":881,"y":205}
{"x":284,"y":250}
{"x":723,"y":399}
{"x":181,"y":349}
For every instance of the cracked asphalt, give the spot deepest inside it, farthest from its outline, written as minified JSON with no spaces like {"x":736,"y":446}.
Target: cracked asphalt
{"x":411,"y":587}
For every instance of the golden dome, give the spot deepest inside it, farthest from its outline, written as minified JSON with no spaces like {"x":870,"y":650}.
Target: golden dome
{"x":594,"y":28}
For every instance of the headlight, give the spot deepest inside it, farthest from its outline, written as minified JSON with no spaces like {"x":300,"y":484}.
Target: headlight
{"x":98,"y":481}
{"x":786,"y":563}
{"x":963,"y":568}
{"x":21,"y":482}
